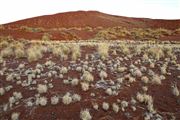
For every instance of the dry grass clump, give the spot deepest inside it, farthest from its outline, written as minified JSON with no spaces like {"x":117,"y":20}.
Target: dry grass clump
{"x":85,"y":115}
{"x":156,"y":80}
{"x":4,"y":44}
{"x":85,"y":86}
{"x":63,"y":70}
{"x":103,"y":75}
{"x":34,"y":53}
{"x":75,"y":51}
{"x":7,"y":52}
{"x":15,"y":116}
{"x":175,"y":90}
{"x":76,"y":97}
{"x":42,"y":88}
{"x":109,"y":91}
{"x":156,"y":52}
{"x":19,"y":50}
{"x":74,"y":82}
{"x":42,"y":101}
{"x":54,"y":100}
{"x":67,"y":99}
{"x":2,"y":91}
{"x":105,"y":106}
{"x":145,"y":79}
{"x":95,"y":106}
{"x":124,"y":104}
{"x":87,"y":77}
{"x":124,"y":48}
{"x":144,"y":98}
{"x":115,"y":107}
{"x":103,"y":49}
{"x":46,"y":37}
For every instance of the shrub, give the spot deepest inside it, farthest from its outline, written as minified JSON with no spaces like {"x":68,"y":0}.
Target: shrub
{"x":17,"y":95}
{"x":2,"y":91}
{"x":19,"y":53}
{"x":67,"y":99}
{"x":124,"y":104}
{"x":54,"y":100}
{"x":76,"y":53}
{"x":43,"y":101}
{"x":46,"y":37}
{"x":76,"y":97}
{"x":115,"y":107}
{"x":143,"y":98}
{"x":34,"y":53}
{"x":105,"y":105}
{"x":156,"y":80}
{"x":15,"y":116}
{"x":64,"y":70}
{"x":74,"y":81}
{"x":109,"y":91}
{"x":163,"y":70}
{"x":140,"y":97}
{"x":124,"y":49}
{"x":95,"y":106}
{"x":12,"y":100}
{"x":87,"y":76}
{"x":103,"y":75}
{"x":103,"y":49}
{"x":156,"y":52}
{"x":42,"y":88}
{"x":85,"y":115}
{"x":145,"y":79}
{"x":175,"y":90}
{"x":9,"y":77}
{"x":121,"y":69}
{"x":85,"y":86}
{"x":7,"y":52}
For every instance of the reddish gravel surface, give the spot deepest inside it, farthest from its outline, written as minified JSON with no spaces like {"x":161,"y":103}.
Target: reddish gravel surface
{"x":165,"y":103}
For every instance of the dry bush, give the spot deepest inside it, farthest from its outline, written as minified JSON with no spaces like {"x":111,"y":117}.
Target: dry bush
{"x":42,"y":101}
{"x":124,"y":48}
{"x":115,"y":107}
{"x":15,"y":116}
{"x":103,"y":49}
{"x":156,"y":52}
{"x":34,"y":53}
{"x":76,"y":97}
{"x":95,"y":106}
{"x":67,"y":99}
{"x":87,"y":76}
{"x":175,"y":90}
{"x":103,"y":75}
{"x":2,"y":91}
{"x":105,"y":106}
{"x":19,"y":53}
{"x":74,"y":82}
{"x":46,"y":37}
{"x":4,"y":44}
{"x":7,"y":52}
{"x":54,"y":100}
{"x":75,"y":51}
{"x":145,"y":79}
{"x":156,"y":80}
{"x":85,"y":115}
{"x":42,"y":88}
{"x":85,"y":86}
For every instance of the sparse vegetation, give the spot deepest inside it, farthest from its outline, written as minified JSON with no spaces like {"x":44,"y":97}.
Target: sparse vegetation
{"x":128,"y":80}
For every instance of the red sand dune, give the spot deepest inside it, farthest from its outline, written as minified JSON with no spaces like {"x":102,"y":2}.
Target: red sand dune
{"x":83,"y":19}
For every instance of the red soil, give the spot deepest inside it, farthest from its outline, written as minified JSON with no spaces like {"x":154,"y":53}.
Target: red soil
{"x":81,"y":19}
